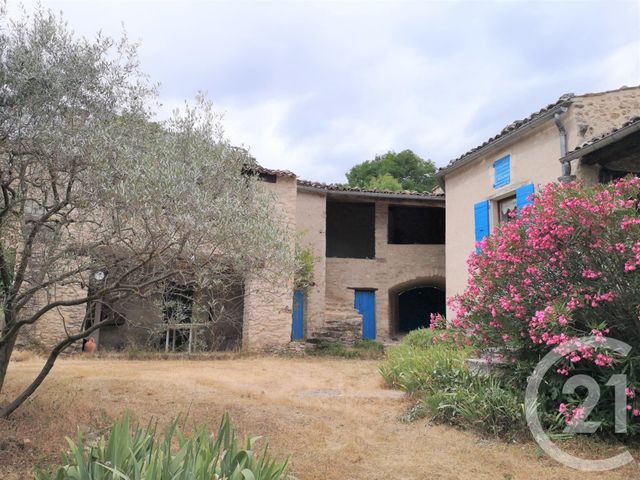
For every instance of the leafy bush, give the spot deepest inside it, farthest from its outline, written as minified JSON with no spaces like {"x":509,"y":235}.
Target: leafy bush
{"x":482,"y":403}
{"x":436,"y":373}
{"x":566,"y":267}
{"x":426,"y":337}
{"x":415,"y":369}
{"x":138,"y":454}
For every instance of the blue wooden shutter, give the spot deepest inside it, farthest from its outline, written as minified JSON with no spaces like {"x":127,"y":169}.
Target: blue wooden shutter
{"x":522,"y":195}
{"x":481,"y":216}
{"x":502,"y":171}
{"x":297,"y":327}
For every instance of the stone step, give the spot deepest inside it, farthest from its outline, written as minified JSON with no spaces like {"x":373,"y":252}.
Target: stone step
{"x":342,"y":317}
{"x":339,"y":306}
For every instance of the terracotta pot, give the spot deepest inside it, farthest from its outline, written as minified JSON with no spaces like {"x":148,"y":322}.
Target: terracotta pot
{"x":90,"y":346}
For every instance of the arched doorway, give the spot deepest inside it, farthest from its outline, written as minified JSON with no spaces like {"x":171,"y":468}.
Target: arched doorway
{"x":416,"y":305}
{"x":412,"y":303}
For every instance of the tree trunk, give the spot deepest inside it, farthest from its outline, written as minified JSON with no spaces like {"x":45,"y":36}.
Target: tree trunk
{"x":20,"y":399}
{"x":5,"y":355}
{"x":51,"y":360}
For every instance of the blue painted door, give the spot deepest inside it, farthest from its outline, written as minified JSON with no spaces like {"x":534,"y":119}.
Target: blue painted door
{"x":297,"y":328}
{"x":365,"y":303}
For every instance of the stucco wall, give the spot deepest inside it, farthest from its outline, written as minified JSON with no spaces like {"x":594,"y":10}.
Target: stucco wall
{"x":311,"y":219}
{"x":392,"y":266}
{"x":269,"y":293}
{"x":534,"y":159}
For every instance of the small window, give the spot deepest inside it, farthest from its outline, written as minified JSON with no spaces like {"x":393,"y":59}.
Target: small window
{"x":502,"y":172}
{"x":507,"y":209}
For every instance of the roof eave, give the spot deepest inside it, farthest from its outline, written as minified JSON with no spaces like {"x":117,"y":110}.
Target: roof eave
{"x":601,"y":143}
{"x":501,"y":141}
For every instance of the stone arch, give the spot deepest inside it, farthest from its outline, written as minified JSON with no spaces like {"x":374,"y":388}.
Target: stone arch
{"x":411,"y":302}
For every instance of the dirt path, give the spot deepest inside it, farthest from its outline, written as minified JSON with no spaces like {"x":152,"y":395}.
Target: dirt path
{"x":333,"y":416}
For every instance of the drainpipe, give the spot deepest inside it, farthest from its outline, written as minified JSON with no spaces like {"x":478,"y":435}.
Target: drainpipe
{"x":566,"y":165}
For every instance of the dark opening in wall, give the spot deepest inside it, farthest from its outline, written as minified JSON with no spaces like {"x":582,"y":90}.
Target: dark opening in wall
{"x":416,"y":305}
{"x":268,"y":177}
{"x":351,"y":230}
{"x":416,"y":225}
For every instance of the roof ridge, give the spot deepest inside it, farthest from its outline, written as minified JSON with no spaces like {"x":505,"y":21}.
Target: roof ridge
{"x":345,"y":188}
{"x":604,"y":92}
{"x":516,"y":124}
{"x":512,"y":127}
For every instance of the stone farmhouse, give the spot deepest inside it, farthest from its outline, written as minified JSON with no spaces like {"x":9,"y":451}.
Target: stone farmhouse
{"x":380,"y":258}
{"x":379,"y":270}
{"x":380,"y":266}
{"x":593,"y":137}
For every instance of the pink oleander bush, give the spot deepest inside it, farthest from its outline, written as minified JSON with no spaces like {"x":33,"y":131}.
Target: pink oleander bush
{"x":566,"y":267}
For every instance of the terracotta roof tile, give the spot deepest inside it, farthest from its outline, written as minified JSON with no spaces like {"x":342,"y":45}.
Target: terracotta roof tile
{"x":268,"y":171}
{"x":633,"y":120}
{"x":515,"y":125}
{"x":259,"y":169}
{"x":343,"y":188}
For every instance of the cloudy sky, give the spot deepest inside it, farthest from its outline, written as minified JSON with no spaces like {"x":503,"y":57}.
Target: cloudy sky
{"x":316,"y":87}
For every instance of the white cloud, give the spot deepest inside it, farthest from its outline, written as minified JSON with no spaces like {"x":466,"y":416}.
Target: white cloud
{"x":318,"y":87}
{"x":622,"y":66}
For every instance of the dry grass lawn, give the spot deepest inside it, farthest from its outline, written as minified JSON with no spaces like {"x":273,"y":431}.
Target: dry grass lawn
{"x":334,"y":416}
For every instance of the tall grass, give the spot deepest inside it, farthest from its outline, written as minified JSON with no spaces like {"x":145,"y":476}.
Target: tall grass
{"x":139,"y":453}
{"x":436,"y":374}
{"x":423,"y":369}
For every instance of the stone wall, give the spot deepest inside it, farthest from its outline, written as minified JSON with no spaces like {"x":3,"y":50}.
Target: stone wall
{"x":394,"y":268}
{"x":311,"y":219}
{"x":597,"y":113}
{"x":53,"y":326}
{"x":269,"y":293}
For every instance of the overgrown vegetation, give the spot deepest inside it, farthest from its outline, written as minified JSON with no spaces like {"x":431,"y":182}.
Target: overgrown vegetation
{"x":139,"y":453}
{"x":431,"y":367}
{"x":305,"y":261}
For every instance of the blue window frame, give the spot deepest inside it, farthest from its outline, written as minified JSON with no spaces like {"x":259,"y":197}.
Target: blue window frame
{"x":502,"y":171}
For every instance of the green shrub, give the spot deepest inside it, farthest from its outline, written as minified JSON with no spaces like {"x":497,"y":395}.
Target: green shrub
{"x":414,"y":369}
{"x":438,"y":375}
{"x":480,"y":403}
{"x":138,"y":454}
{"x":425,"y":337}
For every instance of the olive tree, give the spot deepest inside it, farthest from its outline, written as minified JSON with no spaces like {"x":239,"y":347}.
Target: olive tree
{"x":90,"y":183}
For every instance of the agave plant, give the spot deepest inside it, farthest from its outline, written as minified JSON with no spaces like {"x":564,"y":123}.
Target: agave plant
{"x":137,"y":453}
